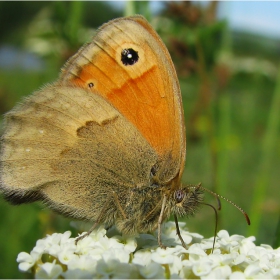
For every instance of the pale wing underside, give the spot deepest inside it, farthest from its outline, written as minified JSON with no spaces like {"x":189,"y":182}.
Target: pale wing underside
{"x":147,"y":93}
{"x":70,"y":147}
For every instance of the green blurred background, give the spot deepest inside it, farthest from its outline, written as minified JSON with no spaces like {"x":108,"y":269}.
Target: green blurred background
{"x":231,"y":93}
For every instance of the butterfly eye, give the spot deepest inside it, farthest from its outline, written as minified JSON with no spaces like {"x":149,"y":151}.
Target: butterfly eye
{"x":91,"y":85}
{"x":179,"y":195}
{"x":129,"y":56}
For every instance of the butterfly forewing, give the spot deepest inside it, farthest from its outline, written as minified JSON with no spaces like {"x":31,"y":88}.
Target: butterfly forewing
{"x":146,"y":92}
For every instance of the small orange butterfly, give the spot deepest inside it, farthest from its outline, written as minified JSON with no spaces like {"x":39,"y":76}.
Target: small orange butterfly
{"x":105,"y":142}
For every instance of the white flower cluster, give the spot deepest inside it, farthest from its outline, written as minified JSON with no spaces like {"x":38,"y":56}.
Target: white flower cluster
{"x":102,"y":255}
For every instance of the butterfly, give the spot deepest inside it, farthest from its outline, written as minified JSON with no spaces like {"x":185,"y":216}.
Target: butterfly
{"x":105,"y":143}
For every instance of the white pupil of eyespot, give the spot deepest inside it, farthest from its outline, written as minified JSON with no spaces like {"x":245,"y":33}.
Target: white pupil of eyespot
{"x":129,"y":55}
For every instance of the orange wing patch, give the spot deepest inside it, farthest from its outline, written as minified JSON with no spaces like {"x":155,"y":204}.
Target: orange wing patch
{"x":152,"y":119}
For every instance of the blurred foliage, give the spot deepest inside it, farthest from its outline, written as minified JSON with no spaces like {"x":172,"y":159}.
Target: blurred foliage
{"x":230,"y":90}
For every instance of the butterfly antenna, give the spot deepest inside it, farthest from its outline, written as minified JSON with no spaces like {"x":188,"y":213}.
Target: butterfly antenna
{"x":218,"y":196}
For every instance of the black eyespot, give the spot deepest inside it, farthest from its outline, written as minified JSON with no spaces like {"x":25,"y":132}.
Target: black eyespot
{"x":91,"y":85}
{"x":179,"y":195}
{"x":129,"y":56}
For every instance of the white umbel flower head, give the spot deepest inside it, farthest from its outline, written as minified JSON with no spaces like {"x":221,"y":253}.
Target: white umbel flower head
{"x":110,"y":255}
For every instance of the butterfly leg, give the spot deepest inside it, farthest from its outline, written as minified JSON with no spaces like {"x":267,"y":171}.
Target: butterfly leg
{"x":178,"y":232}
{"x":87,"y":233}
{"x":118,"y":205}
{"x":160,"y":220}
{"x":96,"y":223}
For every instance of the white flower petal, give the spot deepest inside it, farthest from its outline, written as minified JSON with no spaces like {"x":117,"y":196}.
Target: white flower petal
{"x":163,"y":256}
{"x":175,"y":267}
{"x":252,"y":270}
{"x":77,"y":274}
{"x":196,"y":252}
{"x":202,"y":268}
{"x":152,"y":271}
{"x":25,"y":261}
{"x":112,"y":268}
{"x":117,"y":254}
{"x":186,"y":271}
{"x":24,"y":257}
{"x":65,"y":237}
{"x":97,"y":256}
{"x":25,"y":266}
{"x":142,"y":257}
{"x":128,"y":243}
{"x":237,"y":275}
{"x":83,"y":262}
{"x":221,"y":272}
{"x":66,"y":256}
{"x":48,"y":271}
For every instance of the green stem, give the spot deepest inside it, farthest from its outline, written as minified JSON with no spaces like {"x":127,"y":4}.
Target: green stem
{"x":276,"y":242}
{"x":222,"y":155}
{"x":130,"y":8}
{"x":74,"y":20}
{"x":268,"y":150}
{"x":138,"y":7}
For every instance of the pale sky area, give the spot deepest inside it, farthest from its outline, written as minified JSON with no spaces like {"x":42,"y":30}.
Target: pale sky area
{"x":260,"y":17}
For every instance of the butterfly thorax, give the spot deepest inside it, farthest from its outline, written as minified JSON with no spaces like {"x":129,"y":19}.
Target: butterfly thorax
{"x":139,"y":210}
